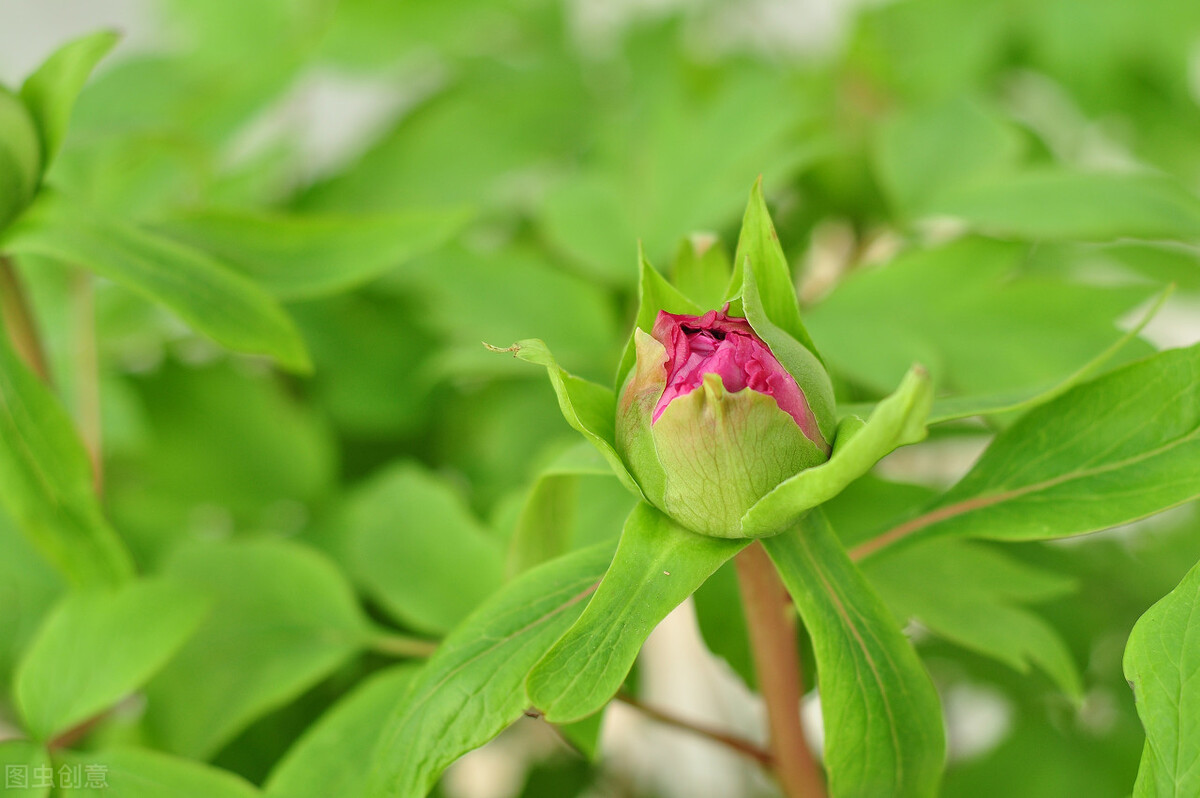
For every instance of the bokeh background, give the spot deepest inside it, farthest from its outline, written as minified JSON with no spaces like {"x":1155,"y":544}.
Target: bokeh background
{"x":951,"y":179}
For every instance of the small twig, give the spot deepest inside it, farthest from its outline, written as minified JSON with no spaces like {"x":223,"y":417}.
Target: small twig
{"x":87,"y":371}
{"x":401,"y":646}
{"x":77,"y":732}
{"x":738,"y":744}
{"x":773,"y":634}
{"x":18,"y":320}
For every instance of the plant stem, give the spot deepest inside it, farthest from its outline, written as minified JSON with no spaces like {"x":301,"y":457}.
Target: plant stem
{"x":18,"y":320}
{"x":395,"y":645}
{"x":730,"y":741}
{"x":773,"y":635}
{"x":87,"y":371}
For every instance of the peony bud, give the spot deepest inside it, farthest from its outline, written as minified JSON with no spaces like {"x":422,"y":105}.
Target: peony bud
{"x":709,"y":421}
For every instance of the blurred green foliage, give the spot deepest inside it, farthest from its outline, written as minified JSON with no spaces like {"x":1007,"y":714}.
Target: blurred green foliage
{"x":988,"y":187}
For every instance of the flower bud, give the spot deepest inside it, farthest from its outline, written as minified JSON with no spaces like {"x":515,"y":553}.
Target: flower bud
{"x":709,"y":421}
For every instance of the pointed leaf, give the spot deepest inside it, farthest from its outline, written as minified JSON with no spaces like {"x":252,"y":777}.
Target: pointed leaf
{"x":1162,"y":659}
{"x":658,"y":564}
{"x":20,"y":157}
{"x":300,"y":257}
{"x":473,"y":687}
{"x":972,"y":595}
{"x":883,"y":722}
{"x":1110,"y":451}
{"x":205,"y":293}
{"x":46,"y":481}
{"x":25,"y":764}
{"x":73,"y":670}
{"x":589,"y":408}
{"x":141,"y":773}
{"x":896,"y":421}
{"x":282,"y":619}
{"x":758,"y":250}
{"x":958,"y":407}
{"x":50,"y":92}
{"x":547,"y":515}
{"x":415,"y":546}
{"x":1066,"y":205}
{"x":654,"y":294}
{"x":333,"y":757}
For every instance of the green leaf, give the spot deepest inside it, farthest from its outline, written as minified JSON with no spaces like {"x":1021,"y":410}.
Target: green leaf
{"x":958,"y":407}
{"x":883,"y":722}
{"x":300,"y":257}
{"x":972,"y":595}
{"x":46,"y":481}
{"x":25,"y":763}
{"x":50,"y":92}
{"x":20,"y":157}
{"x":921,"y":152}
{"x":548,"y":513}
{"x":74,"y":667}
{"x":1057,"y":204}
{"x":702,"y":269}
{"x":205,"y":293}
{"x":658,"y":564}
{"x":139,"y":773}
{"x":414,"y":545}
{"x":589,"y":408}
{"x":472,"y":688}
{"x":1107,"y":452}
{"x":28,"y":588}
{"x":758,"y":249}
{"x":722,"y":622}
{"x":1162,"y":658}
{"x":896,"y":421}
{"x":654,"y":294}
{"x":283,"y":618}
{"x":975,"y":312}
{"x":333,"y":757}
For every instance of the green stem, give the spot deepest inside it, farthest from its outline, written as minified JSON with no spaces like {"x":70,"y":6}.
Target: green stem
{"x":394,"y":645}
{"x":87,"y":371}
{"x":18,"y":320}
{"x":773,"y":637}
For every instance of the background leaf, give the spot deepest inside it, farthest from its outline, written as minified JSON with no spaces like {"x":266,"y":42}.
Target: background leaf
{"x":282,"y":618}
{"x":472,"y":688}
{"x":334,"y":755}
{"x":299,"y":257}
{"x":1129,"y":436}
{"x":1161,"y":658}
{"x":139,"y":773}
{"x":50,"y":92}
{"x":72,"y":670}
{"x":46,"y":481}
{"x":415,"y":547}
{"x":202,"y":291}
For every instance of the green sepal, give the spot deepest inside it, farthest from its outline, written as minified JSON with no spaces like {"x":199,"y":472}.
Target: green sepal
{"x":654,"y":294}
{"x":20,"y":157}
{"x":799,"y":360}
{"x":722,"y":452}
{"x":589,"y":408}
{"x":759,"y":244}
{"x":897,"y":421}
{"x":51,"y":91}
